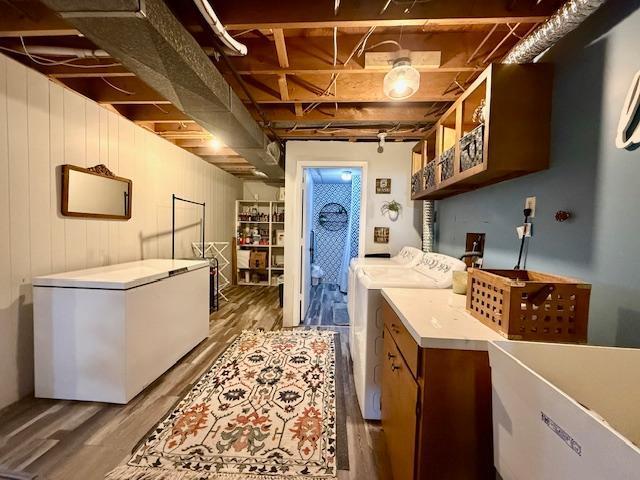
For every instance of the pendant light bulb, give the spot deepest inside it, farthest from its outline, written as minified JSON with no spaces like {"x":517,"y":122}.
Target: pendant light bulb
{"x":215,"y":143}
{"x":402,"y":80}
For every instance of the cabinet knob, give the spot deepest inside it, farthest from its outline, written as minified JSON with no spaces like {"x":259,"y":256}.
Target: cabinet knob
{"x":390,"y":356}
{"x":394,"y":367}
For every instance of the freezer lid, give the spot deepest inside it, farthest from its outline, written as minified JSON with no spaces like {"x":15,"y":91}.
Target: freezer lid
{"x":121,"y":276}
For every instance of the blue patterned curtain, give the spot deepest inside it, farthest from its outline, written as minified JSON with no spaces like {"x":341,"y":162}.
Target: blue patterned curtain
{"x":351,"y":245}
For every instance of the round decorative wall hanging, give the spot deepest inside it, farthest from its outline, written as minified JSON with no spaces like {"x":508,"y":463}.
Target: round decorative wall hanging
{"x":333,"y":217}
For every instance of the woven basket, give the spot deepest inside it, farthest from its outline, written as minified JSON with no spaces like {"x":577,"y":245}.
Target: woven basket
{"x":533,"y":306}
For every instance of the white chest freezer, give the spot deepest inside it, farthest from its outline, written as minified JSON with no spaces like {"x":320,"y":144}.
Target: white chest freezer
{"x":104,"y":334}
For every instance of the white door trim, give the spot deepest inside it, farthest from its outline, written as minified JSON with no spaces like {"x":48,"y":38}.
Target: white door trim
{"x":298,"y":227}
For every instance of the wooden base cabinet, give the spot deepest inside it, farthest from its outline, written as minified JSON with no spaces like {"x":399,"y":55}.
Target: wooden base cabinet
{"x":436,"y":408}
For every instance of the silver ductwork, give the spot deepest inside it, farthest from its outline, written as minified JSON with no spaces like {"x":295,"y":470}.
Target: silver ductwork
{"x":565,"y":20}
{"x":148,"y":40}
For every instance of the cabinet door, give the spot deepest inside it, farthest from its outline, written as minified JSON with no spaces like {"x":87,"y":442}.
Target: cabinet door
{"x":399,"y":397}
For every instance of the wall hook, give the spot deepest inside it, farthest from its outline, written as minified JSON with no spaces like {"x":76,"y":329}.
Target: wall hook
{"x":562,"y":216}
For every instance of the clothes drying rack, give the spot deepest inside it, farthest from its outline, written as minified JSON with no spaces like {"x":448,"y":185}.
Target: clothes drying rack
{"x":215,"y":250}
{"x":214,"y":270}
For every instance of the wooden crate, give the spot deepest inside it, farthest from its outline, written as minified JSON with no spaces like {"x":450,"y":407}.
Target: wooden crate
{"x":533,"y":306}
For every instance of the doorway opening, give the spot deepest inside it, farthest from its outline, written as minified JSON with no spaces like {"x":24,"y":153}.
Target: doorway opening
{"x":332,"y":199}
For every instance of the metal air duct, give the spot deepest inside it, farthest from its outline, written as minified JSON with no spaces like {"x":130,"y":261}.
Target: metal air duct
{"x":148,"y":40}
{"x":565,"y":20}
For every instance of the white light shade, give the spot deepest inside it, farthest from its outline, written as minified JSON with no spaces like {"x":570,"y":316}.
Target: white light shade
{"x":402,"y":81}
{"x":346,"y":176}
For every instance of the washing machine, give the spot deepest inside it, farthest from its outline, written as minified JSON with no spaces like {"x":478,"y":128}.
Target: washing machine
{"x":407,"y":257}
{"x":433,"y":271}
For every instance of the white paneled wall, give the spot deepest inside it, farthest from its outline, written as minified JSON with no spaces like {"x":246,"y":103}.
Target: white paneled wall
{"x":43,"y":126}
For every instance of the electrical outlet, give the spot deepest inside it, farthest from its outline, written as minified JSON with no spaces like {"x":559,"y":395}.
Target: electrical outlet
{"x":530,"y":202}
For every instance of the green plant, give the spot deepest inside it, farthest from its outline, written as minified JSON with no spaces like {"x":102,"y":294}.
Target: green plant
{"x":391,"y":206}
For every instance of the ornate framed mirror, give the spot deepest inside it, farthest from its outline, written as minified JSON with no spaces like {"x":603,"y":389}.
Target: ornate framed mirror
{"x":95,"y":193}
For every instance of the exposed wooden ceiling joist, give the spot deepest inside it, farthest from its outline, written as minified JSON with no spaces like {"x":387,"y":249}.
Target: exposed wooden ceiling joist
{"x":248,"y":14}
{"x":153,"y":113}
{"x":281,"y":47}
{"x":314,"y":55}
{"x":29,"y":18}
{"x":414,"y":112}
{"x":350,"y":88}
{"x":343,"y":134}
{"x":124,"y":90}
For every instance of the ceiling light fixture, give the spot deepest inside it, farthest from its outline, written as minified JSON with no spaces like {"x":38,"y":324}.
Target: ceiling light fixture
{"x":215,"y":143}
{"x":402,"y":80}
{"x":346,"y":176}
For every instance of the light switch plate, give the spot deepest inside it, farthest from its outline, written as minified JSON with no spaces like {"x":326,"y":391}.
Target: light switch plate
{"x":530,"y":202}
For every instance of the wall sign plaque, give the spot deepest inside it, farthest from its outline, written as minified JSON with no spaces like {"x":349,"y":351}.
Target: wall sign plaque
{"x":381,"y":235}
{"x":383,"y":185}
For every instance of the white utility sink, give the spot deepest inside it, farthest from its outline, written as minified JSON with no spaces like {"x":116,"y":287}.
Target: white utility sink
{"x":565,"y":411}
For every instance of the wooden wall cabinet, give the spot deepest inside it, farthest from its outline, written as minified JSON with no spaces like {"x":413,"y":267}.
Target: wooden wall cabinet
{"x":436,"y":408}
{"x":462,"y":152}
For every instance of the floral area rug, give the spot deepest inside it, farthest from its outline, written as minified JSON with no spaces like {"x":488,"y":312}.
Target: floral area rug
{"x":265,"y":410}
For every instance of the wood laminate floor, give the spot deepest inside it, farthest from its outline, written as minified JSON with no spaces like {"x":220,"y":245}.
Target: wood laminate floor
{"x":66,"y":440}
{"x":328,"y":307}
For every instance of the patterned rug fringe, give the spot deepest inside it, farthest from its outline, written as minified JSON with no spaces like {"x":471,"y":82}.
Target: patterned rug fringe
{"x":300,"y":331}
{"x":125,"y":472}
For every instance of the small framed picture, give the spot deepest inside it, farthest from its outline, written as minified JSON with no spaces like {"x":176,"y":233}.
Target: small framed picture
{"x":383,"y":185}
{"x":381,"y":235}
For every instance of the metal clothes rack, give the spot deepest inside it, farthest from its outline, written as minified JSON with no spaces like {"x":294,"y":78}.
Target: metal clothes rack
{"x":214,"y":271}
{"x":173,"y":222}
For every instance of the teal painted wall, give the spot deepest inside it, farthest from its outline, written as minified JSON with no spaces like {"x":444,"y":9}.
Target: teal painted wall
{"x":588,"y":176}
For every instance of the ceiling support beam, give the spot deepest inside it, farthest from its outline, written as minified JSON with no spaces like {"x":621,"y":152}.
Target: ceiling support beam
{"x":371,"y":113}
{"x":123,"y":90}
{"x":286,"y":14}
{"x":32,"y":19}
{"x":349,"y":88}
{"x":281,"y":47}
{"x":283,"y":87}
{"x":313,"y":55}
{"x":153,"y":113}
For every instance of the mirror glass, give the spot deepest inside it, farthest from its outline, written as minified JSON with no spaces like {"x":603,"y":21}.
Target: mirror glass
{"x":88,"y":194}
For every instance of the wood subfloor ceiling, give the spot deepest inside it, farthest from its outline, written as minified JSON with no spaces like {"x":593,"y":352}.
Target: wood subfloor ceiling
{"x":65,"y":440}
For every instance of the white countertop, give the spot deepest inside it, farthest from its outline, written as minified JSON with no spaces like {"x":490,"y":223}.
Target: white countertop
{"x":437,"y":318}
{"x":121,"y":276}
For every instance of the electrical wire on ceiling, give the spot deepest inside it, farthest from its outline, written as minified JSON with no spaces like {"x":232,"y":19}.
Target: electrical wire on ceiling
{"x":48,"y":62}
{"x":115,"y":87}
{"x":160,"y":108}
{"x":396,"y":129}
{"x":232,"y":46}
{"x":359,"y":49}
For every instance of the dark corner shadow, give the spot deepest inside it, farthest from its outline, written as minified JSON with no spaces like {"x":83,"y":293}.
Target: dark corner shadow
{"x":417,"y":216}
{"x":24,"y":351}
{"x":628,"y":328}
